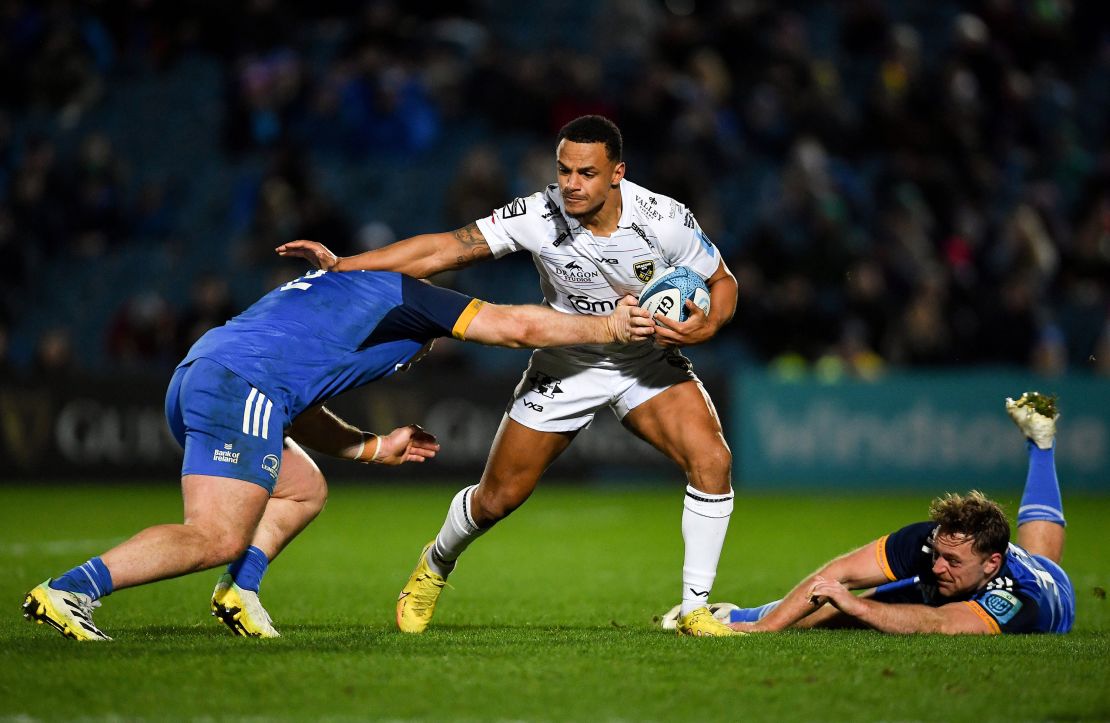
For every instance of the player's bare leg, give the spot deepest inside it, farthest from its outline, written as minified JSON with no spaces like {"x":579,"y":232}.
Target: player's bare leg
{"x":299,"y":495}
{"x":516,"y":462}
{"x":682,"y":423}
{"x":1042,"y":538}
{"x":221,"y":515}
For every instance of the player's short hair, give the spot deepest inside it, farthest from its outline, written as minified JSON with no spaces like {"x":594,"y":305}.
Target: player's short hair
{"x":975,"y":516}
{"x":594,"y":129}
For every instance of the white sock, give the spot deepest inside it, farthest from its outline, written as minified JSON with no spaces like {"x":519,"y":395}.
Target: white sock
{"x":704,"y":524}
{"x":458,"y":531}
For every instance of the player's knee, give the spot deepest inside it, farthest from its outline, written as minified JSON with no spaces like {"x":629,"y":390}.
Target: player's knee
{"x":711,"y":470}
{"x":223,"y":545}
{"x":317,"y":494}
{"x":491,"y":505}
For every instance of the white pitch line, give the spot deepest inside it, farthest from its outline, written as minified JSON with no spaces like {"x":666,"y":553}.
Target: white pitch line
{"x":57,"y":547}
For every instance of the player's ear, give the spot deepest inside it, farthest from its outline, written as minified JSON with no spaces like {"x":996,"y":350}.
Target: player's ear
{"x":993,"y":563}
{"x":618,"y":174}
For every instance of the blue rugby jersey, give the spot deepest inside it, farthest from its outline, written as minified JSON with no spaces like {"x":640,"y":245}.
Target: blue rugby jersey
{"x":1027,"y":595}
{"x":324,"y":333}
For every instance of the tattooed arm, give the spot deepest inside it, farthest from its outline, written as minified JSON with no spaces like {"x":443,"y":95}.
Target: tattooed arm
{"x":419,"y":256}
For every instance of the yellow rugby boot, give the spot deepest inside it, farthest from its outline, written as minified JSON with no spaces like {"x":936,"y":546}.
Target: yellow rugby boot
{"x":70,"y":613}
{"x":701,"y":623}
{"x":721,"y":610}
{"x":240,"y":610}
{"x":417,"y":602}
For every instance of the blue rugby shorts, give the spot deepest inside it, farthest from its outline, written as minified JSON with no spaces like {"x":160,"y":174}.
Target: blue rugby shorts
{"x":228,"y":427}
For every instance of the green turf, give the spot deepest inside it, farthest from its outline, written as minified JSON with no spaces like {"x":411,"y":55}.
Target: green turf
{"x":549,"y":619}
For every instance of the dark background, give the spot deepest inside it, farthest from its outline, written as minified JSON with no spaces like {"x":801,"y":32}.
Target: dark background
{"x":899,"y":185}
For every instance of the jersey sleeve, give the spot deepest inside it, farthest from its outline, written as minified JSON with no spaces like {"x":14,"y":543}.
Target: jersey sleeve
{"x":683,"y":243}
{"x":517,"y":226}
{"x":1006,"y":611}
{"x":429,"y":311}
{"x":906,"y":552}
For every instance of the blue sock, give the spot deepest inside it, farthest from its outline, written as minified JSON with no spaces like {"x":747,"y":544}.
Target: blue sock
{"x":248,"y":570}
{"x":1041,"y":499}
{"x":752,"y":615}
{"x":92,"y":579}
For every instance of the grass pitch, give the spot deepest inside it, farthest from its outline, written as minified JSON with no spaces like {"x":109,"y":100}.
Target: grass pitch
{"x":549,"y":618}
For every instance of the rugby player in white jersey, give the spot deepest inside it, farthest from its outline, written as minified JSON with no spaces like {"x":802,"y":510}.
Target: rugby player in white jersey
{"x":594,"y":237}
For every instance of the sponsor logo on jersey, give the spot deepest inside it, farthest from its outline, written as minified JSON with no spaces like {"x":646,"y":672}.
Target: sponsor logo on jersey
{"x":645,"y":270}
{"x":1001,"y":583}
{"x":1002,"y":605}
{"x":545,"y":385}
{"x":270,"y":463}
{"x":643,"y":234}
{"x":648,"y":207}
{"x":688,"y":222}
{"x":574,"y":273}
{"x":610,"y":261}
{"x":514,"y":208}
{"x":590,"y":305}
{"x":552,"y":210}
{"x":560,"y":238}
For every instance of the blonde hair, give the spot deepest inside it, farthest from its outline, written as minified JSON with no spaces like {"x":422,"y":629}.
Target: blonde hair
{"x":975,"y":516}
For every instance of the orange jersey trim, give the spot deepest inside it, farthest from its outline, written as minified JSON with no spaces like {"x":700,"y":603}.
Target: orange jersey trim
{"x":992,"y":624}
{"x":463,"y":323}
{"x":880,"y":557}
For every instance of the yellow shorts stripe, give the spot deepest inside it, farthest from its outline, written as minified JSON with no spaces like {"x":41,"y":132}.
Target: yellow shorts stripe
{"x":992,"y":624}
{"x":880,"y":557}
{"x":459,"y":330}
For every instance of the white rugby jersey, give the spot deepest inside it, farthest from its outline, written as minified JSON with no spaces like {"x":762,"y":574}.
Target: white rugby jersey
{"x":588,"y":274}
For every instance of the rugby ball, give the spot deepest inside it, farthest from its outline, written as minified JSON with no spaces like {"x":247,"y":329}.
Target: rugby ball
{"x":668,"y":292}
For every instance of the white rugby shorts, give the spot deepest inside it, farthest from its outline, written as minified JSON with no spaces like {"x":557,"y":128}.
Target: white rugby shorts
{"x":561,"y":392}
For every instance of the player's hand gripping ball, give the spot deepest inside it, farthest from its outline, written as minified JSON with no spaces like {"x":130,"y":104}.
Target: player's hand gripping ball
{"x":667,"y":293}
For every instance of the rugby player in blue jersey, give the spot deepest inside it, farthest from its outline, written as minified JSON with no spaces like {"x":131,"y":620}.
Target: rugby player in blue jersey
{"x":250,"y":393}
{"x":958,"y":573}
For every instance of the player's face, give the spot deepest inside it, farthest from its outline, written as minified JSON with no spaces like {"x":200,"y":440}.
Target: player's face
{"x":958,"y":568}
{"x":586,"y":176}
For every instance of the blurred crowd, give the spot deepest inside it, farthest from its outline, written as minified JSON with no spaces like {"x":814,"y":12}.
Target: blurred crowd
{"x":908,"y":183}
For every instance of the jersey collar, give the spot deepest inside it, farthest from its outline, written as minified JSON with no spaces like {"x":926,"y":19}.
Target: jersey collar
{"x":626,"y":218}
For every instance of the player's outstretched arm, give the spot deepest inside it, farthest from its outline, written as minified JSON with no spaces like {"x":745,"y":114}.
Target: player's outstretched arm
{"x":538,"y":326}
{"x":321,"y":429}
{"x":418,"y":256}
{"x":858,"y":570}
{"x":957,"y":618}
{"x":700,"y":327}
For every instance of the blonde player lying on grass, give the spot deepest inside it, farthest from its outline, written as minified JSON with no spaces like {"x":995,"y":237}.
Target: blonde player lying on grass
{"x":958,"y":573}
